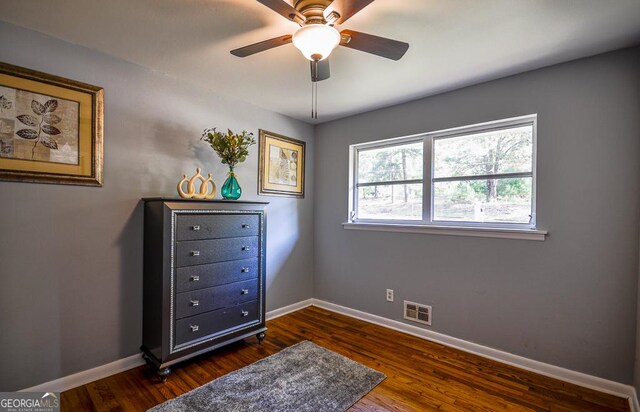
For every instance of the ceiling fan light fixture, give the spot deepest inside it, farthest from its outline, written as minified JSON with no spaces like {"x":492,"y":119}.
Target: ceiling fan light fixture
{"x":316,"y":41}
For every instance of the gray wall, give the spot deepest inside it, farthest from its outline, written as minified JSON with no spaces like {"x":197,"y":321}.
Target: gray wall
{"x":71,"y":257}
{"x":570,"y":300}
{"x":636,"y":375}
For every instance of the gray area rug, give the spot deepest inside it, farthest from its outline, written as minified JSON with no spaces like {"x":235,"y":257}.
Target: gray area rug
{"x":302,"y":377}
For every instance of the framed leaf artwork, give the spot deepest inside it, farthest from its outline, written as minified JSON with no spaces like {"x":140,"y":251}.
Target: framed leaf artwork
{"x":281,"y":165}
{"x":50,"y":128}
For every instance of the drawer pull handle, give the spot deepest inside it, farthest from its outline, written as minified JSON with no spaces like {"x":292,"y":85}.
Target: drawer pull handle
{"x":195,"y":228}
{"x":195,"y":253}
{"x":194,"y":328}
{"x":195,"y":278}
{"x":245,"y":248}
{"x":195,"y":302}
{"x":244,"y":292}
{"x":244,"y":270}
{"x":245,"y":226}
{"x":245,"y":313}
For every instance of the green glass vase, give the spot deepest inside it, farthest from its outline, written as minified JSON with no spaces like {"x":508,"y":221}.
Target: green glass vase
{"x":231,"y":189}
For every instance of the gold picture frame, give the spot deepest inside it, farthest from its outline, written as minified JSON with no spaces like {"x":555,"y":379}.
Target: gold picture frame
{"x":281,"y":165}
{"x":50,"y":128}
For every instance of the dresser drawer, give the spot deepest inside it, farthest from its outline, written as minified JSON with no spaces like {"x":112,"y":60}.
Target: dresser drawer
{"x":213,"y":226}
{"x":205,"y":300}
{"x":209,"y":323}
{"x":198,"y":252}
{"x":214,"y":274}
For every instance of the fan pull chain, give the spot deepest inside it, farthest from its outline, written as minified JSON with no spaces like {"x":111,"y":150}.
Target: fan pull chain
{"x":314,"y":100}
{"x":315,"y":103}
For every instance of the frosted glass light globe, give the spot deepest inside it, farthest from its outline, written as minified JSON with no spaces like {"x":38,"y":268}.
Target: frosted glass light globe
{"x":316,"y":41}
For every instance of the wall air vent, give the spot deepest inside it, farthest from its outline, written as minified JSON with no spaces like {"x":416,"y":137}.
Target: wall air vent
{"x":417,"y":312}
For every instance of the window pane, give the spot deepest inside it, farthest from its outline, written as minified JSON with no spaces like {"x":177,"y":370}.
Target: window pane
{"x":399,"y":202}
{"x":402,"y":162}
{"x":492,"y":200}
{"x":501,"y":151}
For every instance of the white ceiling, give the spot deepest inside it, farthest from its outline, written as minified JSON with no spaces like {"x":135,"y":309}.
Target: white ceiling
{"x":453,"y":43}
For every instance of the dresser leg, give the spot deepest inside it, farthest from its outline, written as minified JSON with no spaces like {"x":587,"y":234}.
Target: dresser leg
{"x":260,"y":337}
{"x":163,"y":373}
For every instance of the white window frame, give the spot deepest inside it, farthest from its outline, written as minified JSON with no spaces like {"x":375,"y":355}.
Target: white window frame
{"x":428,"y":181}
{"x":354,"y":176}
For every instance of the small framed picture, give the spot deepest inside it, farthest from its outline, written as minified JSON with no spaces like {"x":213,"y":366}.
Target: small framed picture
{"x":50,"y":128}
{"x":281,"y":165}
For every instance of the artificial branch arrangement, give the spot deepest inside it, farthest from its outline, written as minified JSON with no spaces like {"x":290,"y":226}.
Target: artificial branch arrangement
{"x":232,"y":149}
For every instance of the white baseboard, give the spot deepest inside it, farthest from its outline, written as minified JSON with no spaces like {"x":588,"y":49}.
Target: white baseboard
{"x":577,"y":378}
{"x":82,"y":378}
{"x":276,"y":313}
{"x":90,"y":375}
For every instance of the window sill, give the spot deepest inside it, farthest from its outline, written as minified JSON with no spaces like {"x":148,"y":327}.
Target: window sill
{"x":502,"y":233}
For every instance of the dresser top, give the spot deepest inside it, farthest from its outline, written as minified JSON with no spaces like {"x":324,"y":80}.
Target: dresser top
{"x":179,"y":199}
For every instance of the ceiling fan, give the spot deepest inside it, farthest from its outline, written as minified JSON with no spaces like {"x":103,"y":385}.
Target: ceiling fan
{"x":317,"y":36}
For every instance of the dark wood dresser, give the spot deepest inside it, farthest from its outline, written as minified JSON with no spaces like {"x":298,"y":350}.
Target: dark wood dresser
{"x":204,"y":277}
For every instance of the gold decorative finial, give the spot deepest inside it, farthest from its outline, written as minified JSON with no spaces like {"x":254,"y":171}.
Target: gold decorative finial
{"x":207,"y":187}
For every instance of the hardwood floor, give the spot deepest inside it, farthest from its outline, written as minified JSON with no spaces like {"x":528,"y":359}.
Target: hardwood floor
{"x":421,"y":375}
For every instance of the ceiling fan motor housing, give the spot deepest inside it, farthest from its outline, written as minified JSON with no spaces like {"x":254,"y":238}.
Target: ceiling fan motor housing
{"x":313,"y":10}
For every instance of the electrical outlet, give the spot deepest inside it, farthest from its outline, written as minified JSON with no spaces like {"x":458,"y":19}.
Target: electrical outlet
{"x":389,"y":295}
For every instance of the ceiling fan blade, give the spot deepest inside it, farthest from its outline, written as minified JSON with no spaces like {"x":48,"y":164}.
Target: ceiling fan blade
{"x":284,"y":9}
{"x":345,"y":8}
{"x":380,"y":46}
{"x":262,"y":46}
{"x":320,"y":70}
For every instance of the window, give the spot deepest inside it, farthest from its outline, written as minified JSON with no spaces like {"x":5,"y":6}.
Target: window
{"x":390,"y":183}
{"x":472,"y":176}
